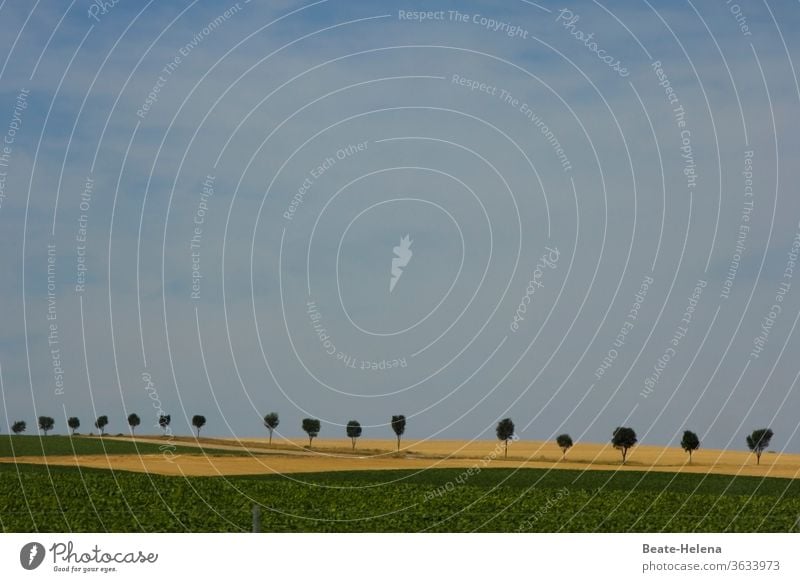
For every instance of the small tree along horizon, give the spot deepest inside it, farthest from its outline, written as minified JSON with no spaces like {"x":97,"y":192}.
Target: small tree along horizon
{"x":623,"y":439}
{"x":74,"y":423}
{"x":311,"y":426}
{"x":505,"y":432}
{"x":46,"y":423}
{"x":271,"y":421}
{"x":163,"y":422}
{"x":134,"y":421}
{"x":690,"y":443}
{"x":19,"y":426}
{"x":353,"y":431}
{"x":198,"y":421}
{"x":101,"y":423}
{"x":758,"y":441}
{"x":399,"y":427}
{"x":564,"y":442}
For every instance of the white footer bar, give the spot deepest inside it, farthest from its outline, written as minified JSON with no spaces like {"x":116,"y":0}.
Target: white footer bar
{"x":401,"y":557}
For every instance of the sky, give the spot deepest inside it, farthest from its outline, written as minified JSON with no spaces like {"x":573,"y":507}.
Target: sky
{"x":203,"y":209}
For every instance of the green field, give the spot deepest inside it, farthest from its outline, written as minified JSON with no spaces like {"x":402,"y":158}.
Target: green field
{"x":35,"y":498}
{"x":55,"y":445}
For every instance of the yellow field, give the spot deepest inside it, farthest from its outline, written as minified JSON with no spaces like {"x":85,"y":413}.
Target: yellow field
{"x":286,"y":456}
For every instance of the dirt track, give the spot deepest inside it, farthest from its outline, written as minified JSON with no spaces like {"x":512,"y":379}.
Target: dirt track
{"x":334,"y":455}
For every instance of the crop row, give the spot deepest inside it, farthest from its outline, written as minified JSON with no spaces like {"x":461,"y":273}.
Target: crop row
{"x":67,"y":499}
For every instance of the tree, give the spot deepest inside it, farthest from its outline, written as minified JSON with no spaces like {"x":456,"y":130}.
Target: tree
{"x":690,"y":443}
{"x":163,"y":422}
{"x":271,"y":421}
{"x":353,"y":431}
{"x":311,"y":427}
{"x":101,"y":423}
{"x":198,"y":421}
{"x":564,"y":442}
{"x":74,"y":423}
{"x":623,"y":439}
{"x":134,"y":421}
{"x":758,"y":441}
{"x":399,"y":427}
{"x":505,"y":432}
{"x":19,"y":426}
{"x":46,"y":423}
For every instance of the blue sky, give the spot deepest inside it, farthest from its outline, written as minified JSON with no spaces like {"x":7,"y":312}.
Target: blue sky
{"x":260,"y":97}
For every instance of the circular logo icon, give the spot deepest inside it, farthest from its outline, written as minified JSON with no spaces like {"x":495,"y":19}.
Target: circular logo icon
{"x":31,"y":555}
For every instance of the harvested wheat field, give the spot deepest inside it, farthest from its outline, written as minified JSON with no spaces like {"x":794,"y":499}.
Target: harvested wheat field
{"x":287,"y":456}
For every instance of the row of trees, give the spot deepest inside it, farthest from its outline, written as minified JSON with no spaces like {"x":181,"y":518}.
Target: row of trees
{"x":505,"y":433}
{"x":353,"y":430}
{"x":311,"y":426}
{"x":47,"y":423}
{"x":623,"y":438}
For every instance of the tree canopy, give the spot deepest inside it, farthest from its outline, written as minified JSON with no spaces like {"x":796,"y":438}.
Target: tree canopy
{"x":505,"y":432}
{"x":134,"y":421}
{"x":46,"y":423}
{"x":271,"y":421}
{"x":623,"y":439}
{"x":101,"y":423}
{"x":311,"y":426}
{"x":399,"y":427}
{"x":758,"y":441}
{"x":564,"y":442}
{"x":690,"y":443}
{"x":198,"y":421}
{"x":353,"y":430}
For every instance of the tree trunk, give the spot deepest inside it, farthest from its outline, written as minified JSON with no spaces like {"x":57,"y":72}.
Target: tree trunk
{"x":398,"y":443}
{"x":309,"y":441}
{"x":758,"y":458}
{"x":506,"y":455}
{"x":624,"y":454}
{"x":270,"y":436}
{"x":690,"y":457}
{"x":354,"y":444}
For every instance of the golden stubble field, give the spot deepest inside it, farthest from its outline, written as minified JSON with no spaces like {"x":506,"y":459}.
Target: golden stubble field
{"x":291,"y":456}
